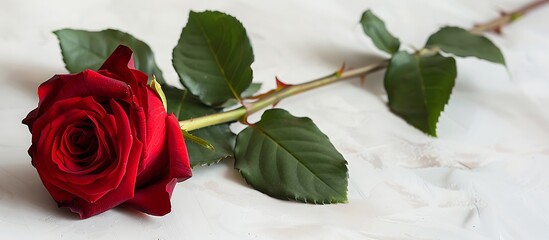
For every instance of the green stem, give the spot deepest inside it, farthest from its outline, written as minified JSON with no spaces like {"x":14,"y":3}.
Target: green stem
{"x":290,"y":90}
{"x":276,"y":96}
{"x":507,"y":18}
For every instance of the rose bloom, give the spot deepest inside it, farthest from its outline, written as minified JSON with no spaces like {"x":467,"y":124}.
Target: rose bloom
{"x":103,"y":138}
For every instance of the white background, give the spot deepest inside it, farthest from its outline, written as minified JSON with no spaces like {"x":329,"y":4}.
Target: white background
{"x":485,"y":177}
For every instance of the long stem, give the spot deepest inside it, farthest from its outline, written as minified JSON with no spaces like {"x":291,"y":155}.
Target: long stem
{"x":507,"y":18}
{"x":277,"y":95}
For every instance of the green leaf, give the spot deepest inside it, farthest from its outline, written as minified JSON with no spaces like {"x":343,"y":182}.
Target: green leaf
{"x":463,"y":43}
{"x":288,"y":157}
{"x":419,"y":87}
{"x":213,"y":57}
{"x":251,"y":90}
{"x":376,"y":30}
{"x":154,"y":85}
{"x":185,"y":106}
{"x":88,"y":50}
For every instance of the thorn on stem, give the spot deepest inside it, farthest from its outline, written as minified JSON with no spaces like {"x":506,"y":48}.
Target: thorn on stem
{"x":340,"y":70}
{"x":280,"y":85}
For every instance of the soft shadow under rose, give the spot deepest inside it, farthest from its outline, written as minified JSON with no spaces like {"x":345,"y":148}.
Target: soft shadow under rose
{"x":103,"y":138}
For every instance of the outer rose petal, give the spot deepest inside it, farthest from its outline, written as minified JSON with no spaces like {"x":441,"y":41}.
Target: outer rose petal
{"x":120,"y":64}
{"x":86,"y":83}
{"x":155,"y":140}
{"x":155,"y":199}
{"x":180,"y":166}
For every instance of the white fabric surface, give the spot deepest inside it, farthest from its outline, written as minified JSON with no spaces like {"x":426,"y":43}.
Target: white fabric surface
{"x":485,"y":177}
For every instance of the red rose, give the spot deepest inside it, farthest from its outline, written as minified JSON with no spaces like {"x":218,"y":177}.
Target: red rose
{"x":101,"y":139}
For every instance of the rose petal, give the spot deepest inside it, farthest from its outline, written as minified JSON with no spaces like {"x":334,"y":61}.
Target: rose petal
{"x":124,"y":192}
{"x":118,"y":66}
{"x":91,"y":83}
{"x":180,"y":167}
{"x":155,"y":198}
{"x":120,"y":63}
{"x":139,"y":126}
{"x":109,"y":178}
{"x":156,"y":137}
